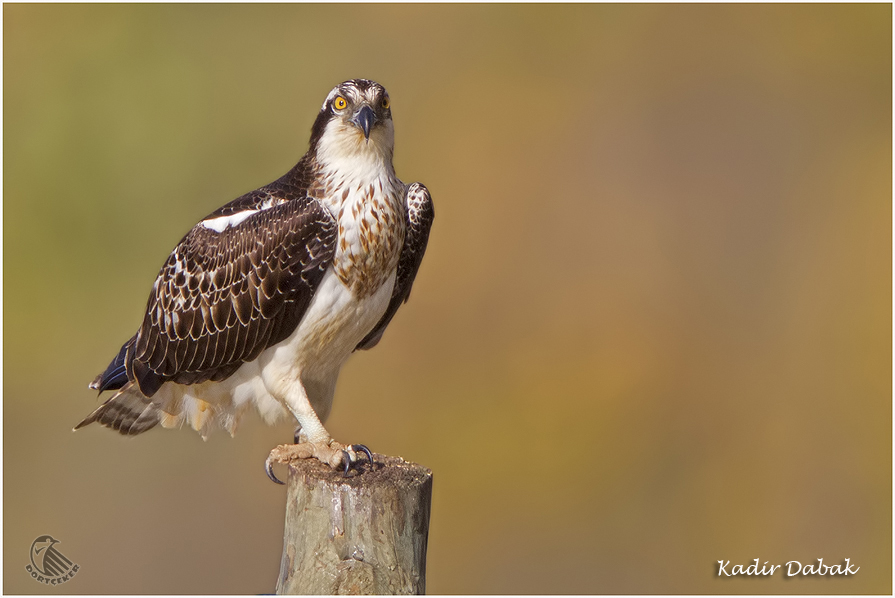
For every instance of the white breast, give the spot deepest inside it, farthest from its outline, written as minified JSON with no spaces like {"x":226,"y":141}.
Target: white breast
{"x":336,"y":321}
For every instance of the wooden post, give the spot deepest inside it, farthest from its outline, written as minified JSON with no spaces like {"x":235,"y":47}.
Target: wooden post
{"x":364,"y":534}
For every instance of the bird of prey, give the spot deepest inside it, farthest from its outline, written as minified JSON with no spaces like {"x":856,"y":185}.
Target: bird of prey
{"x":264,"y":299}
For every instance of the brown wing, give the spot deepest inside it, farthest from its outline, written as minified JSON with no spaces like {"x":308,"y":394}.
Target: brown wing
{"x":223,"y":297}
{"x":419,"y":214}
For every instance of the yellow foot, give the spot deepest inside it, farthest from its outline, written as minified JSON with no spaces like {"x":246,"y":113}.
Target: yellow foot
{"x":332,"y":453}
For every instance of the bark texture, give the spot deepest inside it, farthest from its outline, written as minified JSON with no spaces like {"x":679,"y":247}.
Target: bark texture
{"x":364,"y":534}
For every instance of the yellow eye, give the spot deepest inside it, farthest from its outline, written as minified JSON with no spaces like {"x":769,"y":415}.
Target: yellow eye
{"x":386,"y":102}
{"x":339,"y":103}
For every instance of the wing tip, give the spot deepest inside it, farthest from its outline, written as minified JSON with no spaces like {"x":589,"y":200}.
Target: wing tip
{"x":85,"y":422}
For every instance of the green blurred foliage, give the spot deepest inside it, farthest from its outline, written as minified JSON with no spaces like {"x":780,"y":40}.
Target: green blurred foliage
{"x":652,"y":329}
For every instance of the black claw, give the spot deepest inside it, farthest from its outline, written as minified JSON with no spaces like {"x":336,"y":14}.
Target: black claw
{"x":297,"y":433}
{"x":347,"y":463}
{"x":268,"y":467}
{"x":362,"y":448}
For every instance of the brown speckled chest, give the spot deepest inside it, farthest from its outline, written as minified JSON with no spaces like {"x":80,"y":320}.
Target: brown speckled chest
{"x":371,"y":230}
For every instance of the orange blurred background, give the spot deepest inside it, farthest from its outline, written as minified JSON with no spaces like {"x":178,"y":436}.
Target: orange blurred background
{"x":652,"y":330}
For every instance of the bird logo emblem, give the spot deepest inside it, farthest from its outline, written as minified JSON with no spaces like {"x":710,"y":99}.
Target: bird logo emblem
{"x":48,"y":565}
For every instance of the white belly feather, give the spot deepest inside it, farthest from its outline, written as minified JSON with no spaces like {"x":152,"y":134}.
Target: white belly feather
{"x":311,"y":358}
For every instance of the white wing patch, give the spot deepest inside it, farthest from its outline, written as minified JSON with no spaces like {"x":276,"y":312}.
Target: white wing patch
{"x":222,"y":223}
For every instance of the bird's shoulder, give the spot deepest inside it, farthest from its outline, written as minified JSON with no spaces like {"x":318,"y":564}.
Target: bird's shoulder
{"x":419,"y":205}
{"x":291,"y":187}
{"x":280,"y":226}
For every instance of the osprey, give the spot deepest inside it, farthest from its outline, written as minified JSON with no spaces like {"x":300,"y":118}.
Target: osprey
{"x":263,"y":301}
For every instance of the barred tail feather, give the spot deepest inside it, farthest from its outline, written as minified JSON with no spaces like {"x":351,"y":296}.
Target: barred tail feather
{"x":128,"y":412}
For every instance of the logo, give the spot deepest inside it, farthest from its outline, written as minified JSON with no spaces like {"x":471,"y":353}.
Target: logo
{"x":48,"y":565}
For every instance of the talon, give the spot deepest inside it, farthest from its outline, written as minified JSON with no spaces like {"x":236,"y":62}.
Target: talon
{"x":363,"y":448}
{"x":297,"y":434}
{"x":268,"y":467}
{"x":347,"y":463}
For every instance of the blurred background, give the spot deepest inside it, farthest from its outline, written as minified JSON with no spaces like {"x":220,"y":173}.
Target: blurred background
{"x":652,"y":330}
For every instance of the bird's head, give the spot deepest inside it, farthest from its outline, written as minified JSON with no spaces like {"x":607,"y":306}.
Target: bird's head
{"x":355,"y":123}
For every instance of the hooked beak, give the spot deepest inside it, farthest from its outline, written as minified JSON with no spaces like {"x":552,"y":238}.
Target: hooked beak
{"x":365,"y":118}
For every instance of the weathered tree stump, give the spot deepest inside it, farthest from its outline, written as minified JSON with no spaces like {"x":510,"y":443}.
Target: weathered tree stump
{"x":364,"y":534}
